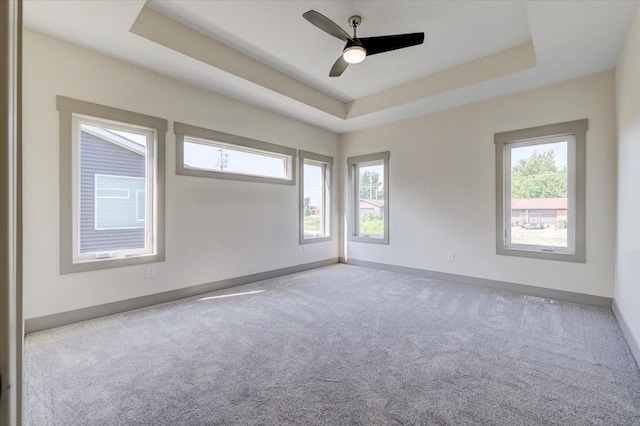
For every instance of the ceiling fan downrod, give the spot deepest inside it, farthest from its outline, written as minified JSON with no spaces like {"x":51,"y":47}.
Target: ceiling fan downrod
{"x":354,"y":22}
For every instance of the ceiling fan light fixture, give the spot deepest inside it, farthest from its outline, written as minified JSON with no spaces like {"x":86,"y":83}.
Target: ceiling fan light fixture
{"x":354,"y":54}
{"x":357,"y":49}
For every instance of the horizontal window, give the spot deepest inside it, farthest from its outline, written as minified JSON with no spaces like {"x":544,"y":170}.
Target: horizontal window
{"x":215,"y":156}
{"x":209,"y":153}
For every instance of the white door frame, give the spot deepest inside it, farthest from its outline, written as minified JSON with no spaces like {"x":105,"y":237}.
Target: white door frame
{"x":11,"y":325}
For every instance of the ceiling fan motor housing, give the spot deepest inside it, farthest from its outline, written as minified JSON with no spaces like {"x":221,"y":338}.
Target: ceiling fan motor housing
{"x":353,"y":42}
{"x":355,"y":21}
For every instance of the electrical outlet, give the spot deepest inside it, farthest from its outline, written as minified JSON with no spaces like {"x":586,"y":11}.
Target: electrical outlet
{"x":304,"y":249}
{"x":451,"y":256}
{"x":151,"y":271}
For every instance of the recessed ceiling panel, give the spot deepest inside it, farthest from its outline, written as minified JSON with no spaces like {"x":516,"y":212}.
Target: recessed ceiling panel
{"x":569,"y":39}
{"x":275,"y":33}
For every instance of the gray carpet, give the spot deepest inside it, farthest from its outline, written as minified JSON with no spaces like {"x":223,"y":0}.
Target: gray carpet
{"x":340,"y":345}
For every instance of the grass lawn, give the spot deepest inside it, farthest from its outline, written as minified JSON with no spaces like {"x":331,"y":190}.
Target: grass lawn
{"x":543,"y":237}
{"x":312,"y":224}
{"x":370,"y":224}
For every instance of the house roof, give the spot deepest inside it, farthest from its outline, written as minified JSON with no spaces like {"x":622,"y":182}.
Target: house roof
{"x":539,"y":204}
{"x":115,"y":139}
{"x":367,"y":204}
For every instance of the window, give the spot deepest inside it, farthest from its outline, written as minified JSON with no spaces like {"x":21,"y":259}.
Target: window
{"x":540,"y":186}
{"x":315,"y":197}
{"x":209,"y":153}
{"x":111,"y":187}
{"x":369,"y":198}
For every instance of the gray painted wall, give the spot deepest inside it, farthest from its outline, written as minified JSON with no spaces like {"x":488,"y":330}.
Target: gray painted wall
{"x":101,"y":157}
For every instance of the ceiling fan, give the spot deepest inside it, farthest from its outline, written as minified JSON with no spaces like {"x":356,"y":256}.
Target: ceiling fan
{"x":357,"y":49}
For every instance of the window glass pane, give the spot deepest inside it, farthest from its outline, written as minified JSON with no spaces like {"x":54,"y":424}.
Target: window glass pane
{"x":313,"y":202}
{"x":539,"y":194}
{"x":141,"y":205}
{"x":119,"y":212}
{"x":111,"y":192}
{"x":371,"y":200}
{"x":223,"y":158}
{"x":112,"y":188}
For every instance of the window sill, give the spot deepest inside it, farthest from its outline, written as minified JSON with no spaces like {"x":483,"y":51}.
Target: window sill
{"x":372,"y":240}
{"x":109,"y":262}
{"x":311,"y":240}
{"x":542,"y":254}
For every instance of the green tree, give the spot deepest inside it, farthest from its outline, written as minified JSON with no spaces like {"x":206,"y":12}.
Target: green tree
{"x":370,"y":186}
{"x":307,"y":206}
{"x":538,"y":176}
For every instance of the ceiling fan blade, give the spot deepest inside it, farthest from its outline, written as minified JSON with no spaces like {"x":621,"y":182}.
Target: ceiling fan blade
{"x":391,"y":42}
{"x":326,"y":25}
{"x":338,"y":68}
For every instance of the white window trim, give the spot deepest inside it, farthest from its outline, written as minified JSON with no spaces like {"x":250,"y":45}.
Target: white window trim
{"x":96,"y":197}
{"x":137,"y":204}
{"x":69,"y":242}
{"x":215,"y":138}
{"x":571,"y":190}
{"x":576,"y":158}
{"x":354,"y":163}
{"x":327,"y":166}
{"x":149,"y":250}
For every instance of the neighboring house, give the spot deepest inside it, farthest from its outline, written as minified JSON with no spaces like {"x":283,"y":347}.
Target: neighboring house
{"x":375,"y":207}
{"x":112,"y":191}
{"x":536,"y":210}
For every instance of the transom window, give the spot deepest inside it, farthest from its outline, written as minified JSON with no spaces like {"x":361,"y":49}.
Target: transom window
{"x":541,"y":191}
{"x":315,"y":197}
{"x":201,"y":154}
{"x":209,"y":153}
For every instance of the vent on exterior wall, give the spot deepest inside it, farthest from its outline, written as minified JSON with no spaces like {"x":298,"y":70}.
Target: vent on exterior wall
{"x":538,"y":299}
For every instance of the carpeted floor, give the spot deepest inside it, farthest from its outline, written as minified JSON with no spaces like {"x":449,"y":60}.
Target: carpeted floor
{"x":340,"y":345}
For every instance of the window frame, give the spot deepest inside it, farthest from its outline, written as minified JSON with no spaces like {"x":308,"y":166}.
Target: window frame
{"x":77,"y":120}
{"x":353,"y":165}
{"x":327,"y":163}
{"x":576,"y":189}
{"x":70,"y":112}
{"x":203,"y":136}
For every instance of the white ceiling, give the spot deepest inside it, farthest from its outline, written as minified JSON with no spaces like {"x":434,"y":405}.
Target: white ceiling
{"x":276,"y":34}
{"x":570,"y":39}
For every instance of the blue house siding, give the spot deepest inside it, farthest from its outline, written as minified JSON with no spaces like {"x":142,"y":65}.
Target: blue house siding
{"x":99,"y":157}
